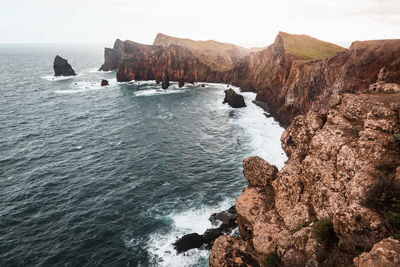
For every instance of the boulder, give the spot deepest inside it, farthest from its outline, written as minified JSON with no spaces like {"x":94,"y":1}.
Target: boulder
{"x":385,"y":253}
{"x":181,"y":83}
{"x":187,"y":242}
{"x":104,"y":82}
{"x":62,"y":67}
{"x":233,"y":99}
{"x":165,"y":80}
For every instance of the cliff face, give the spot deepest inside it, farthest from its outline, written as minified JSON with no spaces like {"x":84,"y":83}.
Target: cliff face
{"x":293,"y":78}
{"x":334,"y":161}
{"x":112,"y":56}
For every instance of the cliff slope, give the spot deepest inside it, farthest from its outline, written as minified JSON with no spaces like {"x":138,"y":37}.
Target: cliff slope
{"x":299,"y":73}
{"x":336,"y":196}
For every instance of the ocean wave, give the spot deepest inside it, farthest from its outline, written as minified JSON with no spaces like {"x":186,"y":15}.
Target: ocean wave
{"x":52,"y":78}
{"x":190,"y":221}
{"x":152,"y":92}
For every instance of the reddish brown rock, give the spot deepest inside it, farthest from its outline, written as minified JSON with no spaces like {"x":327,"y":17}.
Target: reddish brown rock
{"x":386,"y":253}
{"x":104,"y":82}
{"x":332,"y":163}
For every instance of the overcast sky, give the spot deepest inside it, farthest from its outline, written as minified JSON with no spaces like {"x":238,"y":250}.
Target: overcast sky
{"x":245,"y":22}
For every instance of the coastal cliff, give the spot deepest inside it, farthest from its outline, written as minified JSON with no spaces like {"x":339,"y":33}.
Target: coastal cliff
{"x":294,"y":78}
{"x":336,"y":196}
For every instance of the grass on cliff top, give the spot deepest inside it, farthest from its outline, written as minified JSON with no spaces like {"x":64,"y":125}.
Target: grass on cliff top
{"x":309,"y":48}
{"x":212,"y":53}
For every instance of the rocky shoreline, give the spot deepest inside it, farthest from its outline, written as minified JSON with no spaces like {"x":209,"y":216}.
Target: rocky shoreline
{"x":336,"y":200}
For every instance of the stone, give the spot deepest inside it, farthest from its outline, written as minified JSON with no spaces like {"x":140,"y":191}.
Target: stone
{"x":181,"y":83}
{"x":62,"y":67}
{"x":258,"y":172}
{"x":165,"y":80}
{"x":104,"y":82}
{"x":385,"y":253}
{"x":233,"y":99}
{"x":187,"y":242}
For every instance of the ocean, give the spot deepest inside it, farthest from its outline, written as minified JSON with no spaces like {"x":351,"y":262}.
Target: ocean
{"x":111,"y":176}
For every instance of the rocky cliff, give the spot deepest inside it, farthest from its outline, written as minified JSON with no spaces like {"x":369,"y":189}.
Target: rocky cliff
{"x":336,"y":197}
{"x":298,"y":73}
{"x":112,"y":56}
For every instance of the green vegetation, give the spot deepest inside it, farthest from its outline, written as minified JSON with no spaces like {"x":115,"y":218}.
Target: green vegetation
{"x":299,"y":226}
{"x":385,"y":167}
{"x":214,"y":54}
{"x":309,"y":48}
{"x":384,"y":198}
{"x":323,"y":232}
{"x":272,"y":260}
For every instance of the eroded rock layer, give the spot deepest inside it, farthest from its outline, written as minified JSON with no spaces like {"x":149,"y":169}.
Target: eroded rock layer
{"x":334,"y":159}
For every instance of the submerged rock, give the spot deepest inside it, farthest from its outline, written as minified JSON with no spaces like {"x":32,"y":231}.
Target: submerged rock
{"x":233,"y":99}
{"x":165,"y":80}
{"x":62,"y":67}
{"x":104,"y":82}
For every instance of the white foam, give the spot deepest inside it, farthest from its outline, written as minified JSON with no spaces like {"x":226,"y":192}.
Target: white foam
{"x":264,"y":133}
{"x":190,"y":221}
{"x":56,"y":78}
{"x":153,"y":92}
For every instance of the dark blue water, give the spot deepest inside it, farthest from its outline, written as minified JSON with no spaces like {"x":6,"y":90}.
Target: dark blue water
{"x":110,"y":176}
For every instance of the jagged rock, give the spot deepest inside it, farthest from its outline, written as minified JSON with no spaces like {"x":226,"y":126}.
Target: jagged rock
{"x":194,"y":240}
{"x":181,"y":83}
{"x":332,"y":163}
{"x":187,"y":242}
{"x":233,"y":99}
{"x":229,"y":251}
{"x":386,"y":253}
{"x":62,"y":67}
{"x":104,"y":82}
{"x":258,"y":172}
{"x":112,"y":56}
{"x":165,"y":80}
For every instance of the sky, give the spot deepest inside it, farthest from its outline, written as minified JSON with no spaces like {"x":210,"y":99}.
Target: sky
{"x":249,"y":23}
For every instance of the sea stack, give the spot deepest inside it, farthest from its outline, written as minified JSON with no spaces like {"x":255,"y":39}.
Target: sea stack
{"x":165,"y":80}
{"x":62,"y":67}
{"x":233,"y":99}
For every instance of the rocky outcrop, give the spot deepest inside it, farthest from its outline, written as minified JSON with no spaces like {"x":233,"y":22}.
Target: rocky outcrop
{"x":104,"y":82}
{"x":112,"y":56}
{"x":334,"y":161}
{"x":233,"y":99}
{"x":293,"y":80}
{"x":62,"y":67}
{"x":227,"y":221}
{"x":386,"y":253}
{"x":165,"y":80}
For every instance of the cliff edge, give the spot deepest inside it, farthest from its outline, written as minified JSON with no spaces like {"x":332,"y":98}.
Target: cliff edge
{"x":336,"y":197}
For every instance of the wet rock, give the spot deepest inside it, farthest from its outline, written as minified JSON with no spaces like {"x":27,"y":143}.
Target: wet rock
{"x":181,"y":83}
{"x":227,"y":217}
{"x":165,"y":80}
{"x":62,"y":67}
{"x":233,"y":99}
{"x":104,"y":82}
{"x":187,"y":242}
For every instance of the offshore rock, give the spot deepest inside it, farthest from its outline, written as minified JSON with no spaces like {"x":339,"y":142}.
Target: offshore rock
{"x":104,"y":82}
{"x":165,"y":80}
{"x":333,"y":161}
{"x":62,"y":67}
{"x":386,"y":253}
{"x":181,"y":83}
{"x":233,"y":99}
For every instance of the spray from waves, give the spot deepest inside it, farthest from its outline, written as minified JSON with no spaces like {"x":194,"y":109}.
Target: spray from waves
{"x":264,"y":133}
{"x":153,"y":92}
{"x":86,"y":86}
{"x":53,"y":78}
{"x":190,"y":221}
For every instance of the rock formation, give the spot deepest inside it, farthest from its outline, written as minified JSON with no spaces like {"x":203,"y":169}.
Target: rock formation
{"x":228,"y":223}
{"x":334,"y":161}
{"x":104,"y":82}
{"x":62,"y":67}
{"x":294,"y":78}
{"x":234,"y":99}
{"x":112,"y":56}
{"x":165,"y":80}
